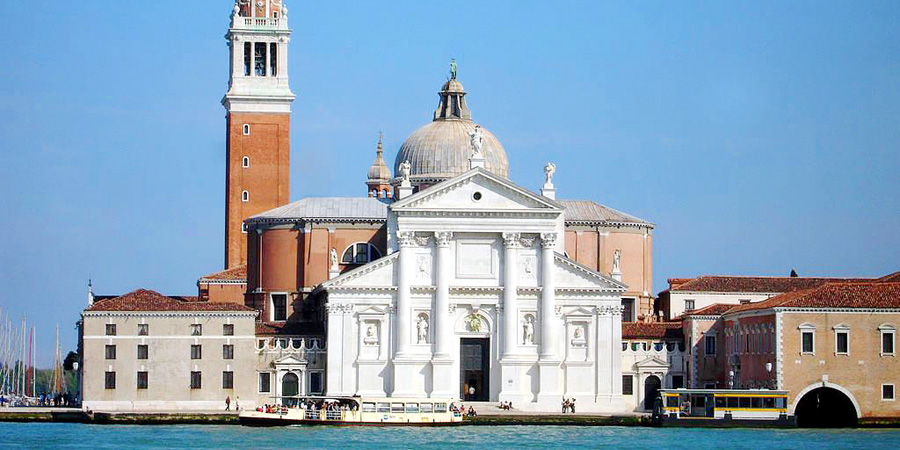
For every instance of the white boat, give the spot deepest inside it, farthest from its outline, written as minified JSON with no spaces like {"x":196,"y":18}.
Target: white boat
{"x":359,"y":411}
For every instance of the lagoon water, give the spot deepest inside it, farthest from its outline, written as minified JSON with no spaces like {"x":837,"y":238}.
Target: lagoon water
{"x":37,"y":436}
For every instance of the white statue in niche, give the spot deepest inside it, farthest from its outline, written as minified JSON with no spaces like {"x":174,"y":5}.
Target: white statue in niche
{"x":422,"y":329}
{"x":616,"y":256}
{"x":371,"y":335}
{"x":334,"y":260}
{"x":528,"y":330}
{"x":477,"y":139}
{"x":578,"y":339}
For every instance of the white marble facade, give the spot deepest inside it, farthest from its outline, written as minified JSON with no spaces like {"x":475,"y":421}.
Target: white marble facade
{"x":476,"y":262}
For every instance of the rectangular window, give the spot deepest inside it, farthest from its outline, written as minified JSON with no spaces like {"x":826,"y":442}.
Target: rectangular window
{"x":248,"y":50}
{"x":807,"y":342}
{"x":273,"y":59}
{"x":228,"y":329}
{"x":265,"y":382}
{"x":842,"y":342}
{"x":142,"y":380}
{"x":427,"y":408}
{"x":195,"y":380}
{"x":368,"y":407}
{"x":142,"y":352}
{"x":710,"y":345}
{"x":627,"y":385}
{"x":688,"y":305}
{"x":110,"y":352}
{"x":196,"y":329}
{"x":228,"y":380}
{"x":196,"y":352}
{"x":227,"y":351}
{"x":677,"y":381}
{"x":627,"y":310}
{"x":887,"y":342}
{"x":110,"y":329}
{"x":315,"y":382}
{"x":887,"y":392}
{"x":259,"y":64}
{"x":110,"y":380}
{"x":279,"y":307}
{"x":143,"y":329}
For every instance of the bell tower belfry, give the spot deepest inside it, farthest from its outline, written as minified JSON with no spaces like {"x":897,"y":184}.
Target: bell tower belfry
{"x":258,"y":106}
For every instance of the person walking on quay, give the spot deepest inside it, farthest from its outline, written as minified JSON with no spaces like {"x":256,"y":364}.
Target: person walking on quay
{"x":228,"y":403}
{"x":572,"y":406}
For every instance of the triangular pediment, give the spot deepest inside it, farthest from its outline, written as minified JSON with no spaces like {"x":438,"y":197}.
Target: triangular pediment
{"x":289,"y":360}
{"x":651,"y":363}
{"x":378,"y":273}
{"x":570,"y":274}
{"x":477,"y":190}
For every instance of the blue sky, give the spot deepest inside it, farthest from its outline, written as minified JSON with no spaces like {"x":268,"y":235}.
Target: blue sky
{"x":759,"y":137}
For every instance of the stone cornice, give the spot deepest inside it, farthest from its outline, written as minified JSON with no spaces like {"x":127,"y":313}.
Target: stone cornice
{"x":250,"y":314}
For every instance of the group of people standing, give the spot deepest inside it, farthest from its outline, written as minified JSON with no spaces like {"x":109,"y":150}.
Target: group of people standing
{"x":568,"y":405}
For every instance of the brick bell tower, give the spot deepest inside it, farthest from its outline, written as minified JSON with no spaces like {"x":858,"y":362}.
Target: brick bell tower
{"x":258,"y":105}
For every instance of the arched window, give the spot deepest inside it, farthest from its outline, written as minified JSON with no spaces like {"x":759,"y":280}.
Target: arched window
{"x":246,"y":129}
{"x":360,"y":253}
{"x":245,"y":162}
{"x":245,"y":196}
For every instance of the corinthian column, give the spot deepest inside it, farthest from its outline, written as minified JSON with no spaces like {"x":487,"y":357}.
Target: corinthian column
{"x":510,"y":294}
{"x":406,"y":240}
{"x":443,"y":328}
{"x":549,"y":324}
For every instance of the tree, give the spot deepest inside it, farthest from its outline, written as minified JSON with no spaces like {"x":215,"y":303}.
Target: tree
{"x":69,"y":362}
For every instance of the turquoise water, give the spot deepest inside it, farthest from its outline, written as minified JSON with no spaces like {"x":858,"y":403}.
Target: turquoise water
{"x":100,"y":437}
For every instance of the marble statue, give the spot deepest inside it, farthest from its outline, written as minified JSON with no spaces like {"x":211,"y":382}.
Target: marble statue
{"x":477,"y":138}
{"x":528,"y":331}
{"x":549,"y":171}
{"x":578,"y":333}
{"x":422,"y":328}
{"x":334,"y":260}
{"x":616,"y":256}
{"x":404,"y":171}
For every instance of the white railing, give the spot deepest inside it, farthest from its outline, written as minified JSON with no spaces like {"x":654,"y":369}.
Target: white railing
{"x":256,"y":23}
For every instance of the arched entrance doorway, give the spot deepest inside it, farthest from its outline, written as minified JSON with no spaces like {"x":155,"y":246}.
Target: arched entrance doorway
{"x":290,"y":385}
{"x":651,"y":390}
{"x":825,"y":407}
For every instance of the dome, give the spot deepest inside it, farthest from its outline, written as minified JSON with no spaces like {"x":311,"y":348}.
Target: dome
{"x":441,"y":149}
{"x":379,"y":171}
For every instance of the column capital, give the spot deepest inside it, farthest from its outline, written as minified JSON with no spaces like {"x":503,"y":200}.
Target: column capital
{"x":512,"y":240}
{"x":442,"y":238}
{"x":406,"y":238}
{"x":548,"y":240}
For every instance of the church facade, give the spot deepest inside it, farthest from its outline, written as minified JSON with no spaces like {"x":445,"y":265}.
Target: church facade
{"x":444,"y":278}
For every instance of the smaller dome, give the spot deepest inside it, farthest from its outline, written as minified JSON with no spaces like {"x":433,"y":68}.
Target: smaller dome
{"x":379,"y":171}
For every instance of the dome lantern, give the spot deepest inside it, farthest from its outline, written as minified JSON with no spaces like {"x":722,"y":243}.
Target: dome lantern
{"x":441,"y":149}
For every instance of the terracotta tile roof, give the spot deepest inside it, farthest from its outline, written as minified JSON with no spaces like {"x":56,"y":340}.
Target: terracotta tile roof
{"x":715,"y":309}
{"x":653,"y":330}
{"x":892,"y":278}
{"x":238,"y":273}
{"x":833,"y":295}
{"x":147,"y":300}
{"x":715,"y":283}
